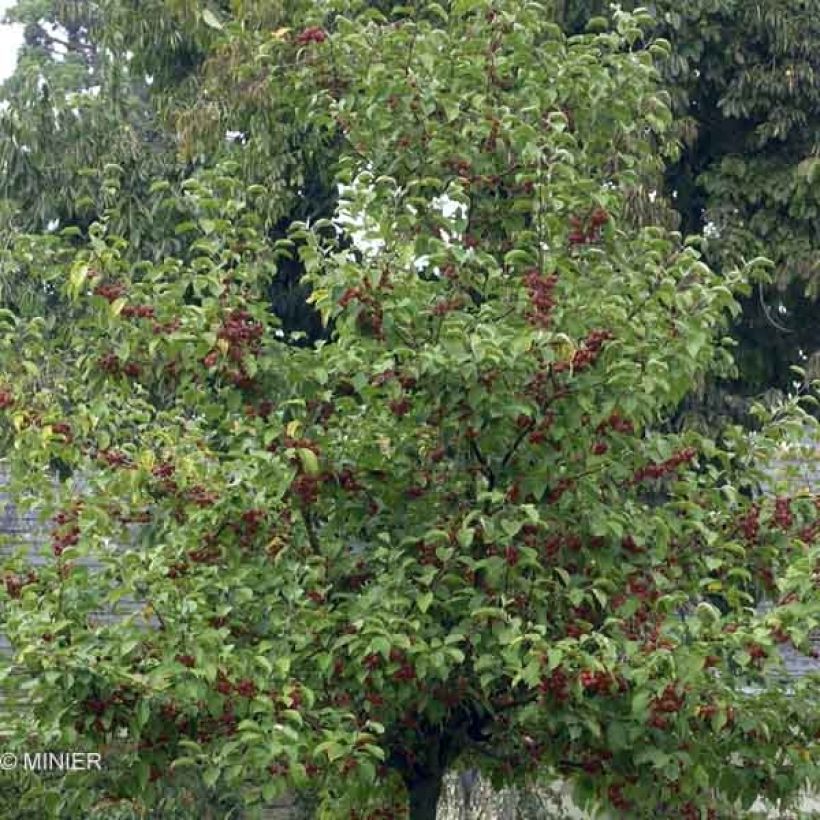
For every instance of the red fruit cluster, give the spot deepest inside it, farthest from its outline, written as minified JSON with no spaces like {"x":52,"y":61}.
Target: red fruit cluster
{"x":588,"y":352}
{"x":617,"y":423}
{"x":598,"y":218}
{"x":207,"y":554}
{"x":783,"y":517}
{"x":405,"y":672}
{"x":347,"y":480}
{"x":314,"y":34}
{"x":584,"y":232}
{"x":511,"y":556}
{"x":591,"y":348}
{"x":445,"y":306}
{"x":374,"y":698}
{"x":306,"y":489}
{"x":110,"y":291}
{"x":690,"y":811}
{"x":415,"y":491}
{"x":643,"y":587}
{"x":278,"y":769}
{"x":350,"y":295}
{"x":323,"y":410}
{"x":371,"y":321}
{"x":249,"y":525}
{"x":95,"y":706}
{"x":109,"y":363}
{"x":406,"y":381}
{"x":523,"y":421}
{"x":163,"y":470}
{"x":668,"y":702}
{"x":371,"y":316}
{"x":251,"y":519}
{"x":114,"y":458}
{"x":67,"y":532}
{"x":169,"y":711}
{"x":595,"y":761}
{"x":616,"y":797}
{"x":223,"y":684}
{"x":399,"y":407}
{"x":558,"y":491}
{"x":62,"y":540}
{"x":462,"y":167}
{"x":15,"y":584}
{"x":757,"y":653}
{"x":656,"y":471}
{"x":186,"y":660}
{"x":551,"y":546}
{"x":540,"y":288}
{"x":539,"y":434}
{"x":556,"y":685}
{"x":358,"y":579}
{"x":809,"y":534}
{"x":138,"y":517}
{"x":242,"y":333}
{"x":296,"y":444}
{"x":138,"y":312}
{"x":750,"y":523}
{"x":628,"y":544}
{"x":166,"y":328}
{"x":597,"y":683}
{"x":6,"y":398}
{"x":63,"y":429}
{"x":246,"y":688}
{"x":427,"y":555}
{"x":225,"y":724}
{"x":202,"y":497}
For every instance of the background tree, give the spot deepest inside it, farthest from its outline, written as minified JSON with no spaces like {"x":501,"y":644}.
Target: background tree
{"x":743,"y":78}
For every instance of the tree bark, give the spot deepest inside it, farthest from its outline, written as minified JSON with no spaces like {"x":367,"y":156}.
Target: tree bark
{"x":424,"y":793}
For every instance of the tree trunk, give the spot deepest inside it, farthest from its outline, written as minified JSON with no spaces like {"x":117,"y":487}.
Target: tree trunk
{"x":424,"y":793}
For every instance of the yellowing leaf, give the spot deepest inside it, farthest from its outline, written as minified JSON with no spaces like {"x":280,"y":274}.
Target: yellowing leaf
{"x":77,"y":277}
{"x":564,"y":347}
{"x":275,"y":546}
{"x":281,"y":33}
{"x":211,"y":20}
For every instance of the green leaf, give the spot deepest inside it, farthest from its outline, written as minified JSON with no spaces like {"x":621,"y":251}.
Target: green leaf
{"x":210,"y":776}
{"x":310,"y":464}
{"x":424,"y":600}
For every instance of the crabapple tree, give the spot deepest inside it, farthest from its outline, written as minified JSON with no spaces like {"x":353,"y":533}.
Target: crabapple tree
{"x":452,"y":534}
